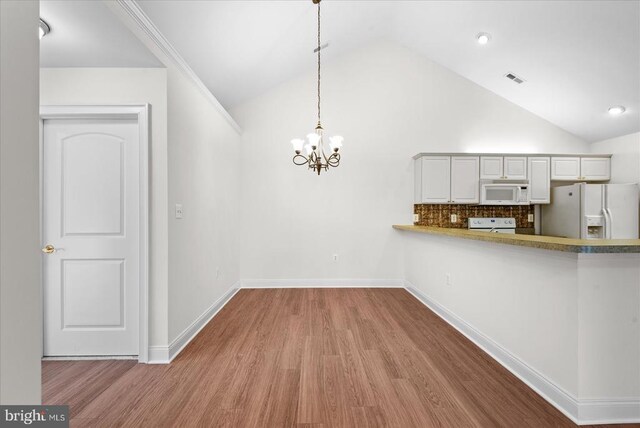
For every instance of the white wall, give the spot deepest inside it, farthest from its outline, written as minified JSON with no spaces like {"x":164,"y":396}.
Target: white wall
{"x":95,"y":86}
{"x":203,"y":177}
{"x":625,"y":162}
{"x":525,"y":300}
{"x":609,"y":323}
{"x":389,"y":103}
{"x":20,"y":309}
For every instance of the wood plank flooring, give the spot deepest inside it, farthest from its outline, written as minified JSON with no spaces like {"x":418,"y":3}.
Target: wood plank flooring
{"x":307,"y":358}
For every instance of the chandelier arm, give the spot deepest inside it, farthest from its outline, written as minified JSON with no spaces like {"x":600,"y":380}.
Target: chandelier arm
{"x":324,"y":156}
{"x":299,"y":162}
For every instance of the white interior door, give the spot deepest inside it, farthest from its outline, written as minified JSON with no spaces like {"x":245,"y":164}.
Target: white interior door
{"x":91,"y":191}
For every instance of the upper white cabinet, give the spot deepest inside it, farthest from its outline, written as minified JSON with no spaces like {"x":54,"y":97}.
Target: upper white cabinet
{"x":465,"y":183}
{"x":539,"y":180}
{"x":491,"y":167}
{"x":455,"y":178}
{"x":515,"y":167}
{"x":565,"y":168}
{"x":433,"y":175}
{"x":503,"y":168}
{"x":595,"y":169}
{"x":580,"y":168}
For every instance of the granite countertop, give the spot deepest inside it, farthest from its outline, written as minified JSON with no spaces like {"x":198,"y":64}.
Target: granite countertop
{"x":534,"y":241}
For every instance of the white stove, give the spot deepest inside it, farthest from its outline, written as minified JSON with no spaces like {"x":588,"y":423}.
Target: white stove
{"x":493,"y":224}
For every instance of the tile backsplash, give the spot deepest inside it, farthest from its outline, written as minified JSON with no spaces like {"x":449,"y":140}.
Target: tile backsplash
{"x":439,"y":215}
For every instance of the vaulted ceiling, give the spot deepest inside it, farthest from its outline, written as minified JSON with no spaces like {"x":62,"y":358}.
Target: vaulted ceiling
{"x":578,"y":58}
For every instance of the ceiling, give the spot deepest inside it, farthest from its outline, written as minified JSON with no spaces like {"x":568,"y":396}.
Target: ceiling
{"x":577,"y":57}
{"x":88,"y":34}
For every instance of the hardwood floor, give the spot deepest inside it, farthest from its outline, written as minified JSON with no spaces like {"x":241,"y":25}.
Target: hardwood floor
{"x":307,"y":357}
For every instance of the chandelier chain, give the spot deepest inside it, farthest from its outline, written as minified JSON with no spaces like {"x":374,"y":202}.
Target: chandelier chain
{"x":318,"y":63}
{"x":316,"y":158}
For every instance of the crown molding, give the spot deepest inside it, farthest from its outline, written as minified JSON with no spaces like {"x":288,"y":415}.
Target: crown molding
{"x":133,"y":10}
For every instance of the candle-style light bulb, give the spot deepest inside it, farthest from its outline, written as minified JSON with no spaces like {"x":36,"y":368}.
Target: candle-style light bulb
{"x":297,"y":144}
{"x":336,"y":142}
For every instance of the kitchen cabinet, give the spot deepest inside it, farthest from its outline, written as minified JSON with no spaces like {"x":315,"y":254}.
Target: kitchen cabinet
{"x":491,"y":167}
{"x":433,"y":179}
{"x":465,"y":181}
{"x":565,"y":168}
{"x":515,"y":168}
{"x":582,"y":168}
{"x":503,"y":168}
{"x":455,"y":177}
{"x":539,"y":179}
{"x":595,"y":169}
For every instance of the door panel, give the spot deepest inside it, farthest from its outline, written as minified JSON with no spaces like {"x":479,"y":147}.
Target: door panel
{"x":93,"y":293}
{"x":491,"y":167}
{"x":92,"y":161}
{"x":565,"y":168}
{"x":539,"y":170}
{"x":515,"y":168}
{"x":595,"y":169}
{"x":465,"y":179}
{"x":436,"y":179}
{"x":91,"y":214}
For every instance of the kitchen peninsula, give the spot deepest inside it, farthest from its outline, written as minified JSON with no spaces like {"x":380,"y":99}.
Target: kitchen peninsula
{"x":561,"y":314}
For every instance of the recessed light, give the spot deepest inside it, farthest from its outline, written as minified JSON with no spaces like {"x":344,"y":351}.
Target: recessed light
{"x":483,"y":38}
{"x":616,"y":110}
{"x":44,"y":29}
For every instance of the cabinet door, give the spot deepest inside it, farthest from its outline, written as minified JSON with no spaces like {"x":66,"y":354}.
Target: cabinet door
{"x":565,"y":168}
{"x":417,"y":181}
{"x":595,"y":169}
{"x":491,"y":167}
{"x":515,"y":167}
{"x":540,"y":180}
{"x":465,"y":179}
{"x":436,"y":179}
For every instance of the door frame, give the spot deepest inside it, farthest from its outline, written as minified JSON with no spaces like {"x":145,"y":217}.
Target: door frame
{"x":140,"y":113}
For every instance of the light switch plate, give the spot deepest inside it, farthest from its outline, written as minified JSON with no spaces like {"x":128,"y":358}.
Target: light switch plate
{"x":454,"y":218}
{"x":179,"y":211}
{"x":416,"y":218}
{"x":530,"y":218}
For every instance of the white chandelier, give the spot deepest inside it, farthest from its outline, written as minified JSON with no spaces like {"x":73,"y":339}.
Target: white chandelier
{"x":315,"y":157}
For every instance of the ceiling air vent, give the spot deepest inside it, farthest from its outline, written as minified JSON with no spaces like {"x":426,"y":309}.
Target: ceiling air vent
{"x":515,"y":78}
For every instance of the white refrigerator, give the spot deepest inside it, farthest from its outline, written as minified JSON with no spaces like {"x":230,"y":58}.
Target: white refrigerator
{"x":593,"y":211}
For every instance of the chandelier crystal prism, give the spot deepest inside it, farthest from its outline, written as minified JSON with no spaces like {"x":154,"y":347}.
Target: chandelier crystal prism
{"x":315,"y":157}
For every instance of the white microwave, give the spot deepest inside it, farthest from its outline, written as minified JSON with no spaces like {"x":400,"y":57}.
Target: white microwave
{"x":504,"y":194}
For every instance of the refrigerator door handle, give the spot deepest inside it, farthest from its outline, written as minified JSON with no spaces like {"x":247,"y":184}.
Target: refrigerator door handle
{"x":607,"y":223}
{"x":605,"y":210}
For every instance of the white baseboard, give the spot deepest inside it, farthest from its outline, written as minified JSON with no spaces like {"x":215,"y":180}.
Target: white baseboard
{"x":158,"y":355}
{"x":166,"y":354}
{"x":322,"y":283}
{"x":190,"y":332}
{"x":92,"y":358}
{"x":608,"y":411}
{"x":581,"y":412}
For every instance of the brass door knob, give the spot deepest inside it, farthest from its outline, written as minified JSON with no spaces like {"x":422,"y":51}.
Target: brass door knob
{"x":49,"y":249}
